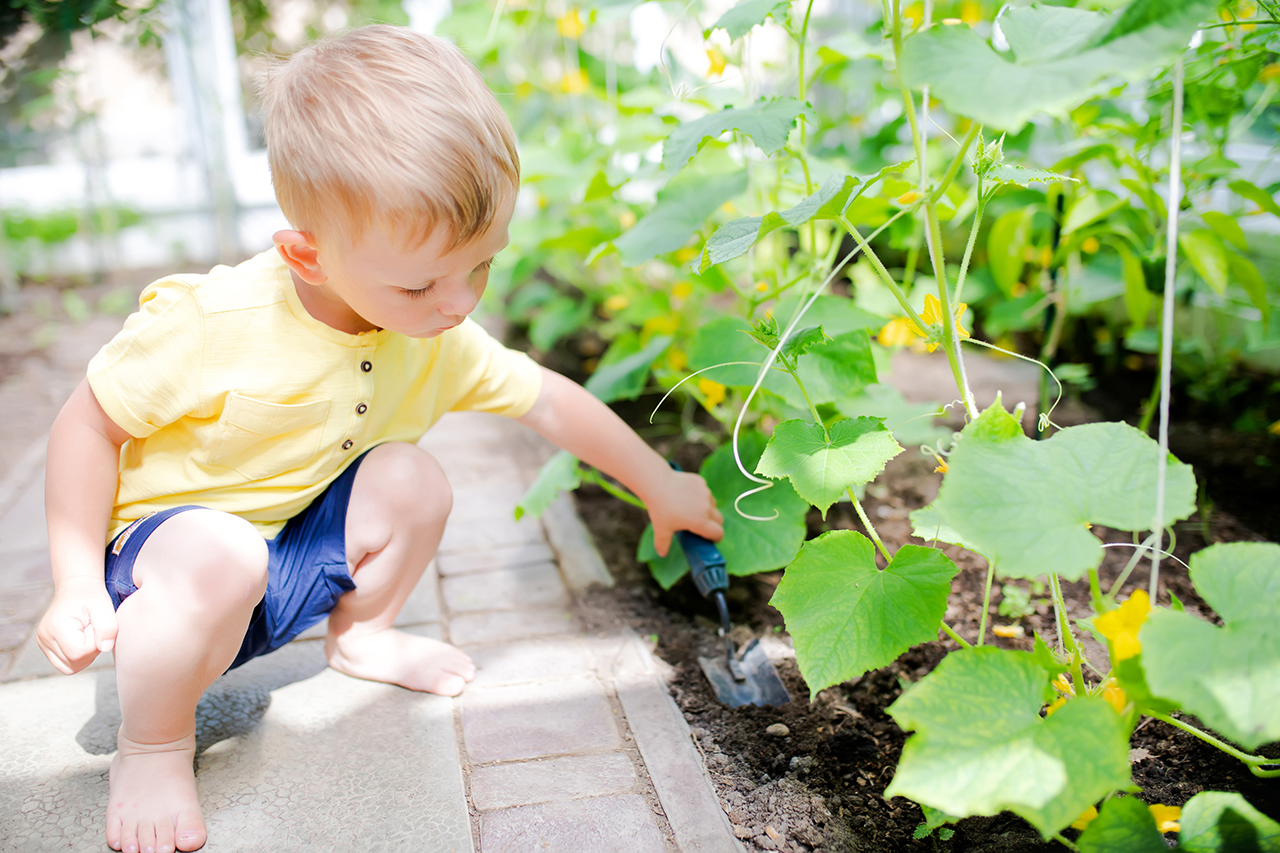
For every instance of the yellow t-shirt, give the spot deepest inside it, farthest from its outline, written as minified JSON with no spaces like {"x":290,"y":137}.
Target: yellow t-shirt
{"x":239,"y":400}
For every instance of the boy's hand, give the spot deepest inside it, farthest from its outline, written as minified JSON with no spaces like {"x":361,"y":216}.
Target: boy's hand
{"x":79,"y":625}
{"x":683,"y":502}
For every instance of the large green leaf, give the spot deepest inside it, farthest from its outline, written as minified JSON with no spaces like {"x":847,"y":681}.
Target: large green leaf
{"x":682,"y":207}
{"x":748,"y":546}
{"x":1058,"y":56}
{"x":739,"y":20}
{"x":556,"y":318}
{"x":1263,"y":199}
{"x":1006,"y":245}
{"x":558,"y":474}
{"x":1229,"y":677}
{"x":665,"y":570}
{"x":734,"y":238}
{"x":822,"y":464}
{"x":1027,"y":505}
{"x":981,"y":747}
{"x":1125,"y":825}
{"x":836,"y":314}
{"x":726,"y":339}
{"x":622,"y":374}
{"x":1218,"y":822}
{"x":1227,"y":228}
{"x":1208,"y":255}
{"x":1247,"y":276}
{"x":767,"y":122}
{"x":847,"y":616}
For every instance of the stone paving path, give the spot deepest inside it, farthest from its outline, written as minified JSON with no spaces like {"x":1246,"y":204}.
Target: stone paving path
{"x":565,"y":742}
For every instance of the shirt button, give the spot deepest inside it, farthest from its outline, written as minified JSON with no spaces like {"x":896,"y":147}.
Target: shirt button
{"x":348,"y":444}
{"x":366,"y":366}
{"x":361,"y":409}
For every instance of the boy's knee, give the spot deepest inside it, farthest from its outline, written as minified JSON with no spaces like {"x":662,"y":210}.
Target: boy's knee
{"x":412,"y":481}
{"x":226,"y":557}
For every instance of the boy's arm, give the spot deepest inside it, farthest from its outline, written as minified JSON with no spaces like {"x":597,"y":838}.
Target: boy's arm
{"x":571,"y":417}
{"x":80,"y":489}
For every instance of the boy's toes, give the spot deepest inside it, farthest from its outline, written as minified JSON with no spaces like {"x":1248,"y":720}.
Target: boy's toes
{"x":114,"y":832}
{"x":190,"y":832}
{"x":129,"y":837}
{"x":146,"y":837}
{"x":164,"y":838}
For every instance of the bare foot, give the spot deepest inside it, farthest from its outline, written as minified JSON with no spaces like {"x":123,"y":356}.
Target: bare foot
{"x":153,"y":806}
{"x":418,"y":663}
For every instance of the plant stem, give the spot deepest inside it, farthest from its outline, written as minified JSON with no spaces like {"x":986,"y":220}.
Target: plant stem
{"x":950,"y":632}
{"x":986,"y":603}
{"x":813,"y":410}
{"x":968,"y":248}
{"x":950,"y":340}
{"x":1254,"y":762}
{"x":1065,"y":634}
{"x":879,"y":267}
{"x":804,"y":152}
{"x":866,"y":522}
{"x":1095,"y":591}
{"x":1070,"y":845}
{"x":617,"y":491}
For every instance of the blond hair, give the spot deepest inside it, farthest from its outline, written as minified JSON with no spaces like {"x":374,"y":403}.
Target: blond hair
{"x":385,"y":125}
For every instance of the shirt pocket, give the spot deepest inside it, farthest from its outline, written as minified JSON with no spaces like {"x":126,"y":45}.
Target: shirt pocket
{"x":262,"y":440}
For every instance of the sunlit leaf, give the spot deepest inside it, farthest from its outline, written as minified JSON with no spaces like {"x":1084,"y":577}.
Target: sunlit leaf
{"x":847,"y":616}
{"x":558,"y":474}
{"x":1245,"y":274}
{"x":1227,"y":228}
{"x":1219,"y":822}
{"x":682,"y":208}
{"x":622,"y":375}
{"x":1028,"y":505}
{"x":1058,"y":57}
{"x":822,"y":464}
{"x":1227,"y":676}
{"x":1263,"y":199}
{"x":1208,"y":255}
{"x":981,"y":747}
{"x":556,"y":318}
{"x":767,"y":122}
{"x":1006,"y":245}
{"x":740,"y":19}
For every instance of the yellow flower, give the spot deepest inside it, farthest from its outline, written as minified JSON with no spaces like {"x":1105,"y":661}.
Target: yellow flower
{"x":762,"y":286}
{"x":970,"y":12}
{"x":914,"y":14}
{"x":627,"y":218}
{"x":682,"y":290}
{"x":717,"y":60}
{"x":524,"y":90}
{"x":570,"y":25}
{"x":1055,"y":705}
{"x":1063,"y":685}
{"x":662,"y":325}
{"x":932,"y":315}
{"x":1009,"y":632}
{"x":1121,"y":625}
{"x":616,"y":303}
{"x":1114,"y":694}
{"x":714,"y":392}
{"x":1085,"y":819}
{"x":907,"y":197}
{"x":1090,"y":245}
{"x":677,"y":360}
{"x":899,"y":331}
{"x":1274,"y":429}
{"x":1167,"y":817}
{"x":941,"y":469}
{"x":688,"y":253}
{"x":574,"y":82}
{"x":1269,"y":72}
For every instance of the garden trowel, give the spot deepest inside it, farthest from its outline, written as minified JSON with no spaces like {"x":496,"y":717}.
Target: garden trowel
{"x":748,"y":678}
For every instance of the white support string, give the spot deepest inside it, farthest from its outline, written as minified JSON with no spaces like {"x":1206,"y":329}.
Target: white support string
{"x":1166,"y":322}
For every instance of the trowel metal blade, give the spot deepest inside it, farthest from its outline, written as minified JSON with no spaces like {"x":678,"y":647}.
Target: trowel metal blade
{"x":762,"y":685}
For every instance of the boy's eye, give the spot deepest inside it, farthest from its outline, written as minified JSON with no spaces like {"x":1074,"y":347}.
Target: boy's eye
{"x":418,"y":293}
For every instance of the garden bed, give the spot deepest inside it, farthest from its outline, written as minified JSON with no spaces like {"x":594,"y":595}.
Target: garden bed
{"x":819,"y":785}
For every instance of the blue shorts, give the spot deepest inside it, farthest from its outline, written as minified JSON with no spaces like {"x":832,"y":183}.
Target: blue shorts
{"x":306,"y":567}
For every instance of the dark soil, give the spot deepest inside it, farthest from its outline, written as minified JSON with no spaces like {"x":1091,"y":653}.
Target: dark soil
{"x":820,"y":785}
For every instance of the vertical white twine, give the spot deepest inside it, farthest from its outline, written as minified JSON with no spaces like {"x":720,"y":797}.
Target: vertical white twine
{"x":1166,"y":322}
{"x":924,"y":114}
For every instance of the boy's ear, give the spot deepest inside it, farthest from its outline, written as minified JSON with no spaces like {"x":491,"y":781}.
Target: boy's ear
{"x":301,"y":255}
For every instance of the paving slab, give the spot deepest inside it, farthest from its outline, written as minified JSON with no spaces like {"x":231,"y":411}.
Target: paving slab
{"x":22,"y":527}
{"x":293,"y":756}
{"x":492,"y":559}
{"x":502,"y":626}
{"x":538,"y":585}
{"x":622,"y":824}
{"x":551,"y":780}
{"x":555,"y":717}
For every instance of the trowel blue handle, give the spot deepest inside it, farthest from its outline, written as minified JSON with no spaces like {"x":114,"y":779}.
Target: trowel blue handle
{"x":706,"y":563}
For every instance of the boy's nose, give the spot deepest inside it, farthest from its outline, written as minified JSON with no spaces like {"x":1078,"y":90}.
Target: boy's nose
{"x":460,"y":299}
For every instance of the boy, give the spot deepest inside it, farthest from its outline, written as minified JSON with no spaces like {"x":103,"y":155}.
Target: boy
{"x":245,"y":446}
